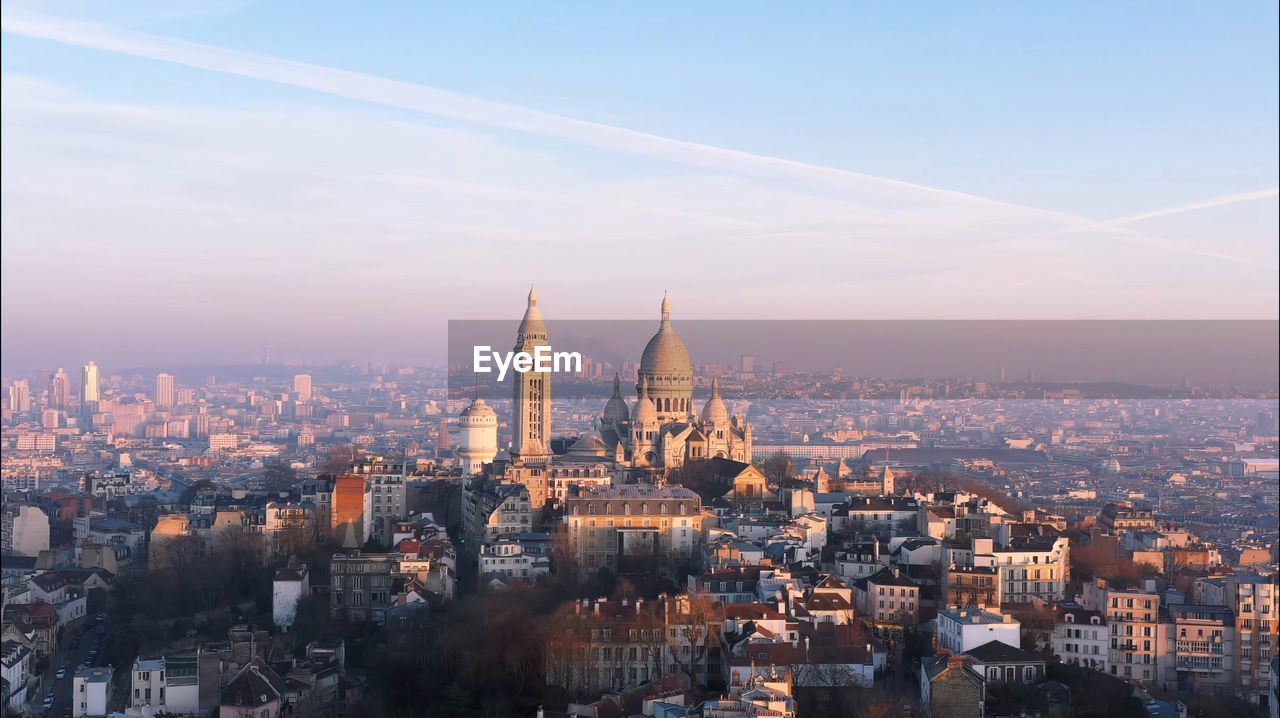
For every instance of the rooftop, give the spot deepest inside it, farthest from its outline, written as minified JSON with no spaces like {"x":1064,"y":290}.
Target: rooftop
{"x":972,"y":616}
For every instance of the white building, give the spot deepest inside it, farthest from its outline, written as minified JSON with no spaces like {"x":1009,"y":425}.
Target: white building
{"x":169,"y":685}
{"x":287,"y":589}
{"x":90,"y":383}
{"x":302,"y":386}
{"x":478,"y":424}
{"x":16,"y":669}
{"x":25,"y":530}
{"x":164,"y":390}
{"x":90,"y":690}
{"x":1033,"y":568}
{"x":962,"y":629}
{"x":512,"y":559}
{"x":1080,"y":636}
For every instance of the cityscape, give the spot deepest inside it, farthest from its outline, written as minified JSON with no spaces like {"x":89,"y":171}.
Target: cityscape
{"x":349,"y":540}
{"x":639,"y":360}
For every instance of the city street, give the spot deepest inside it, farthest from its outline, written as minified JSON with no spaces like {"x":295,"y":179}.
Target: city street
{"x":94,"y":633}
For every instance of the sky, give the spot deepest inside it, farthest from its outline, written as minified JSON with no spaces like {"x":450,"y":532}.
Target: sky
{"x":187,"y":182}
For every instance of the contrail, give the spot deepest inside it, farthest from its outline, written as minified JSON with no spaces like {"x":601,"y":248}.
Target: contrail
{"x":430,"y":100}
{"x":1207,"y":204}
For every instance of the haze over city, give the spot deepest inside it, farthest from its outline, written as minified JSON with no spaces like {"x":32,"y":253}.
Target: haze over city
{"x":220,"y":187}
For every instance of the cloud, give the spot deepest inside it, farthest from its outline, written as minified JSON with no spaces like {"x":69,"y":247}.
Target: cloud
{"x":404,"y":95}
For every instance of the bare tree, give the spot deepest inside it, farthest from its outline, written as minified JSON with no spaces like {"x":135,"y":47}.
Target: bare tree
{"x":779,"y":470}
{"x":693,"y":622}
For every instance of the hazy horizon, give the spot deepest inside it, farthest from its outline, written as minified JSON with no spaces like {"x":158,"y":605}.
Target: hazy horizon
{"x":181,"y":185}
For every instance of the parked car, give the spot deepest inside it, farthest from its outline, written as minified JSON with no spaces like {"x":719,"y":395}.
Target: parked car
{"x":62,"y":672}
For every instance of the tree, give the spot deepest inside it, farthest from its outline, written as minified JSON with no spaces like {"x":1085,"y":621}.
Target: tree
{"x":338,"y":459}
{"x":279,"y":477}
{"x":779,"y":470}
{"x":695,"y":620}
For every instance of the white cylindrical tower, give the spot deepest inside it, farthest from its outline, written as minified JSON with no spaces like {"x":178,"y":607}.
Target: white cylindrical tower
{"x":478,"y":424}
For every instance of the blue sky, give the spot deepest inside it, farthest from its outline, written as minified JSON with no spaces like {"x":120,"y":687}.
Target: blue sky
{"x":944,"y":160}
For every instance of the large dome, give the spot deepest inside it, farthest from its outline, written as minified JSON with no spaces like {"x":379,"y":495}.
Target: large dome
{"x":665,"y":353}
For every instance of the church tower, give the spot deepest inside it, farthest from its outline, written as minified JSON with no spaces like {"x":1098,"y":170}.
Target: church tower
{"x":531,"y":396}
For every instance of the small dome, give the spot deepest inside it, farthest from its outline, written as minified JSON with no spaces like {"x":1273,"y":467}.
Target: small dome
{"x":477,"y":409}
{"x":644,"y":410}
{"x":615,"y":409}
{"x":714,"y":411}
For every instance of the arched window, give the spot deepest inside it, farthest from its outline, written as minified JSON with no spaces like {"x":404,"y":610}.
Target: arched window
{"x":683,"y":509}
{"x":664,"y":509}
{"x":626,"y":509}
{"x":608,"y":508}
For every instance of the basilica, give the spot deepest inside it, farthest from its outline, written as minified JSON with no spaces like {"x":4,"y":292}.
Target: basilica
{"x":639,"y":441}
{"x":661,"y":429}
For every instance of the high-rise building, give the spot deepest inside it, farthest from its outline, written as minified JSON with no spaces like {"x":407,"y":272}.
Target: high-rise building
{"x":302,"y":386}
{"x":748,"y":364}
{"x":478,"y":426}
{"x":59,"y":390}
{"x":164,"y":390}
{"x":531,"y":401}
{"x":20,"y":396}
{"x":90,"y":383}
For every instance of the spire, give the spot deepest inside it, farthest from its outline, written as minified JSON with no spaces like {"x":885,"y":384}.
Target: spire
{"x":644,"y":387}
{"x":666,"y":311}
{"x":531,"y":323}
{"x":715,"y":387}
{"x":617,"y":385}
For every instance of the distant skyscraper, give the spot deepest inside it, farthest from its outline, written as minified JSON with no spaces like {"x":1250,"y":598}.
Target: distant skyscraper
{"x":302,"y":386}
{"x":20,"y":396}
{"x":164,"y":390}
{"x":89,"y":390}
{"x":531,"y":405}
{"x":59,"y":390}
{"x":748,"y":364}
{"x":442,"y":437}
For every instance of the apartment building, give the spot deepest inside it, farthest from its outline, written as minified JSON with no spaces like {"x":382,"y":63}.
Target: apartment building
{"x":633,"y":527}
{"x":1134,"y":629}
{"x":1034,"y":567}
{"x":362,"y":585}
{"x":1202,"y":646}
{"x":1080,"y":636}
